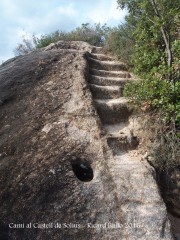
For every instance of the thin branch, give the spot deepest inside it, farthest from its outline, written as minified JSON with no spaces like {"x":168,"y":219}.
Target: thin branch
{"x":150,"y":20}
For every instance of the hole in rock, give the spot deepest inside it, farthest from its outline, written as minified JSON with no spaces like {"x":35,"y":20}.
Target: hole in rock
{"x":135,"y":141}
{"x":82,"y":170}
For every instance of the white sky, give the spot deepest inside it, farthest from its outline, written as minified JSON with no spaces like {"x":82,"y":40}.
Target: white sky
{"x":45,"y":16}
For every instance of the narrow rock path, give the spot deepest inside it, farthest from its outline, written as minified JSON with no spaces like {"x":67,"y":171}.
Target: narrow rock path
{"x":107,"y":79}
{"x":135,"y":186}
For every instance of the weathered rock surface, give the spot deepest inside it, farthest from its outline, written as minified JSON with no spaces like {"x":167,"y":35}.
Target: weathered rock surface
{"x":57,"y":172}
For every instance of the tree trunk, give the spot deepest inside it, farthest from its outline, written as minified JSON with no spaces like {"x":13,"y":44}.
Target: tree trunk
{"x":165,"y":35}
{"x":168,"y":46}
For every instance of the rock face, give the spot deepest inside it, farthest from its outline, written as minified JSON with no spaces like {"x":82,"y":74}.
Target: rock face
{"x":69,"y":167}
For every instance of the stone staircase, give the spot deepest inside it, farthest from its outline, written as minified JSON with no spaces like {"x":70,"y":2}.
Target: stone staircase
{"x":136,"y":188}
{"x":107,"y":79}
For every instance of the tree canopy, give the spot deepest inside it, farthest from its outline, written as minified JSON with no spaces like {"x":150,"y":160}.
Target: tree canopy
{"x":156,"y":53}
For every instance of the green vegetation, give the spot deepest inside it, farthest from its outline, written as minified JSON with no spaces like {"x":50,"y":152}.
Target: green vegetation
{"x":149,"y":41}
{"x":93,"y":34}
{"x":120,"y":41}
{"x":155,"y":55}
{"x":165,"y":149}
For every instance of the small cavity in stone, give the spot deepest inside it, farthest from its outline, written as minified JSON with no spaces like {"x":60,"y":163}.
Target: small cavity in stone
{"x":82,"y":170}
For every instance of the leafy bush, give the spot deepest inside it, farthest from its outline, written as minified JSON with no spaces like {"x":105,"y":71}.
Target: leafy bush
{"x":46,"y":39}
{"x":155,"y":87}
{"x":163,"y":95}
{"x":155,"y":54}
{"x":25,"y":47}
{"x":166,"y":149}
{"x":120,"y":42}
{"x":93,"y":34}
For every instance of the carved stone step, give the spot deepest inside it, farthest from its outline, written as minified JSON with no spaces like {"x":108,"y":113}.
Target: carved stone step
{"x":120,"y":137}
{"x":100,"y":57}
{"x":122,"y":142}
{"x":106,"y":92}
{"x":107,"y":81}
{"x":113,"y":110}
{"x":97,"y":50}
{"x":103,"y":73}
{"x":106,"y":65}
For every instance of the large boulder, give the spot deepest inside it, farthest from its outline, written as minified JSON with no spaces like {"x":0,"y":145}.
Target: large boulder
{"x":55,"y":181}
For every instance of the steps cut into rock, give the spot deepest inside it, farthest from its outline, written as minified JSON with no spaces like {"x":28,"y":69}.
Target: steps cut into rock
{"x":108,"y":81}
{"x":134,"y":183}
{"x":97,"y":50}
{"x":122,"y":142}
{"x":106,"y":92}
{"x":120,"y":137}
{"x":103,"y":73}
{"x":107,"y":65}
{"x":100,"y":57}
{"x":113,"y":110}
